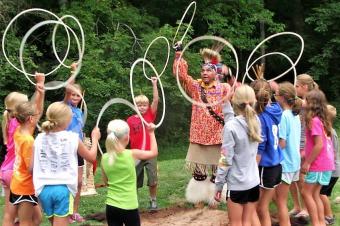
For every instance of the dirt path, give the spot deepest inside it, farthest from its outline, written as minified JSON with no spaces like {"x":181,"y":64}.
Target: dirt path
{"x":180,"y":216}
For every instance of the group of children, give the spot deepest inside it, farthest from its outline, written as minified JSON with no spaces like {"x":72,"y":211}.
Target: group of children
{"x":262,"y":157}
{"x":46,"y":171}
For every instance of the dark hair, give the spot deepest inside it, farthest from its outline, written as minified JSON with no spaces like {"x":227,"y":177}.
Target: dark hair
{"x":288,"y":92}
{"x":263,"y":94}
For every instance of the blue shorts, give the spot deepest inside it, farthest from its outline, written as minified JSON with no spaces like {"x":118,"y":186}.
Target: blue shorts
{"x":322,"y":178}
{"x":56,"y":200}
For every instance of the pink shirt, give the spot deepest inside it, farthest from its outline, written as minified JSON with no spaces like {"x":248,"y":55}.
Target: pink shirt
{"x":10,"y":155}
{"x":325,"y":160}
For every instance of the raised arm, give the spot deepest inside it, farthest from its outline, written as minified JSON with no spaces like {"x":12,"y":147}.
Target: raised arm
{"x":39,"y":94}
{"x":68,"y":88}
{"x":155,"y":98}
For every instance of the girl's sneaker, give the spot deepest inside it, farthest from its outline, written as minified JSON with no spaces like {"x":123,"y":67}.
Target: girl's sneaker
{"x":76,"y":218}
{"x":329,"y":220}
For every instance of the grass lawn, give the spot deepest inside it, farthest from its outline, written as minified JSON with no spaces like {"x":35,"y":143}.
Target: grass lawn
{"x":173,"y":179}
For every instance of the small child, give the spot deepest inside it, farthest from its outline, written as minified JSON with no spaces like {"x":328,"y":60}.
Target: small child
{"x":136,"y":140}
{"x":73,"y":99}
{"x":9,"y":126}
{"x":55,"y":168}
{"x":118,"y":168}
{"x":290,"y":131}
{"x":326,"y":190}
{"x":21,"y":188}
{"x":319,"y":159}
{"x":237,"y":166}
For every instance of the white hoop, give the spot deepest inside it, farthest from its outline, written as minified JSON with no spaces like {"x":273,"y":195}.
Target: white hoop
{"x":82,"y":39}
{"x":12,"y":21}
{"x":206,"y":37}
{"x":119,"y":101}
{"x":277,"y":77}
{"x":29,"y":32}
{"x":167,"y":60}
{"x":180,"y":23}
{"x":160,"y":86}
{"x":273,"y":36}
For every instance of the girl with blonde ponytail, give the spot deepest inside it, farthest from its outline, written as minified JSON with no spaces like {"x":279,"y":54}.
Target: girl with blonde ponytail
{"x":55,"y":168}
{"x":118,"y":168}
{"x":237,"y":165}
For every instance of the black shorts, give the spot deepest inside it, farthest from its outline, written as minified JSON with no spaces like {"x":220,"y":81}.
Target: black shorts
{"x":80,"y":160}
{"x":243,"y":197}
{"x":270,"y":177}
{"x":327,"y":189}
{"x":16,"y":199}
{"x":119,"y":217}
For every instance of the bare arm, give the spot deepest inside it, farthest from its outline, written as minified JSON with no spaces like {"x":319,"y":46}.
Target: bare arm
{"x":314,"y":154}
{"x":39,"y":94}
{"x":90,"y":155}
{"x":282,"y":143}
{"x":155,"y":98}
{"x":68,"y":88}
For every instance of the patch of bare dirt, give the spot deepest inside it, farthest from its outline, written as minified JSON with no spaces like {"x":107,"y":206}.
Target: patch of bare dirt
{"x":174,"y":216}
{"x":181,"y":216}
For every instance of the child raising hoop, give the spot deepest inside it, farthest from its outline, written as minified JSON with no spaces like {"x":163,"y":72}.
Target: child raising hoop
{"x":55,"y":168}
{"x":118,"y":167}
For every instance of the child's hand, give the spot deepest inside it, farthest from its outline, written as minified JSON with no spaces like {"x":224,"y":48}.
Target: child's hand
{"x":230,"y":94}
{"x":217,"y":196}
{"x":95,"y":134}
{"x":39,"y":78}
{"x":151,"y":127}
{"x":154,"y":81}
{"x":74,"y":67}
{"x":305,"y":168}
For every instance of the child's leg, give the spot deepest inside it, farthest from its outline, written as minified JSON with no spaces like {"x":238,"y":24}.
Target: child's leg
{"x":235,"y":212}
{"x":60,"y":221}
{"x":10,"y":211}
{"x":326,"y":192}
{"x":319,"y":204}
{"x":80,"y":183}
{"x":151,"y":171}
{"x":249,"y":210}
{"x":308,"y":191}
{"x":37,"y":215}
{"x":266,"y":196}
{"x":25,"y":213}
{"x":281,"y":201}
{"x":294,"y":191}
{"x":326,"y":205}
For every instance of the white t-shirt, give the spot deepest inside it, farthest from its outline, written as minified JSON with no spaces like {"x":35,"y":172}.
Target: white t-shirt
{"x":55,"y":160}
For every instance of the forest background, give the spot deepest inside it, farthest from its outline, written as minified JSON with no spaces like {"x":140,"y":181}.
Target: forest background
{"x":111,"y":49}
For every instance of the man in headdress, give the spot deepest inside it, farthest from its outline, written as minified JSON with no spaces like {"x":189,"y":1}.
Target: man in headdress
{"x":206,"y":125}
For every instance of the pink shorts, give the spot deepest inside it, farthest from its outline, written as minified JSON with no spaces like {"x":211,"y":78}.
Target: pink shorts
{"x":6,"y":177}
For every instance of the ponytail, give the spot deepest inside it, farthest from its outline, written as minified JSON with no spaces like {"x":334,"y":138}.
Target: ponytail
{"x":48,"y":126}
{"x":254,"y":132}
{"x":297,"y":105}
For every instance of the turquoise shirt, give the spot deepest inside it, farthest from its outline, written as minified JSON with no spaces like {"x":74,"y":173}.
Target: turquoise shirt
{"x":290,"y":131}
{"x":121,"y":175}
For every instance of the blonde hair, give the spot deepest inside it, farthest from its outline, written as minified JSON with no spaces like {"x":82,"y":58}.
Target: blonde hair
{"x":243,"y":100}
{"x":331,"y":112}
{"x":117,"y":130}
{"x":11,"y":101}
{"x":57,"y":114}
{"x":288,"y":92}
{"x":24,"y":110}
{"x":141,"y":99}
{"x":306,"y":79}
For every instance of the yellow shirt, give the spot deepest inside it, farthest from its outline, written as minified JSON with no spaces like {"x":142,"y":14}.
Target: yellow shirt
{"x":22,"y":180}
